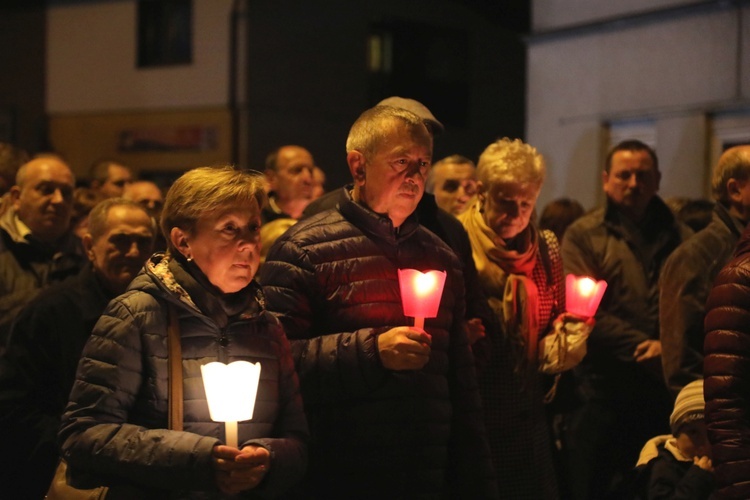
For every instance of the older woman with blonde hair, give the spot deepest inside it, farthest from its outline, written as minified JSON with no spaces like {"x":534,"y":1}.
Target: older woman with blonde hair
{"x":115,"y":425}
{"x":520,"y":271}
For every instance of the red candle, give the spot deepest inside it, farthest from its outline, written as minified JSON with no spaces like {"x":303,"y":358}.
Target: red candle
{"x":421,"y":293}
{"x":583,"y":294}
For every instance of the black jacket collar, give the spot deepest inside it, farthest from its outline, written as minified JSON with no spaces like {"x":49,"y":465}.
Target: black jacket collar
{"x":376,"y":225}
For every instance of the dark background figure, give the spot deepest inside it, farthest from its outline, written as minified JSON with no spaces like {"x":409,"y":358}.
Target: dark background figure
{"x":84,"y":200}
{"x":147,"y":194}
{"x":623,"y":400}
{"x":11,"y":159}
{"x":37,"y":247}
{"x":394,"y":410}
{"x":453,"y":183}
{"x":695,"y":212}
{"x":109,"y":177}
{"x":690,"y":271}
{"x":319,"y":182}
{"x":289,"y":173}
{"x":558,"y":214}
{"x":39,"y":366}
{"x":150,"y":196}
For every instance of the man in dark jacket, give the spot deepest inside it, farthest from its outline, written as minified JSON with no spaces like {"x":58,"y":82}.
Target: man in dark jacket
{"x":689,"y":272}
{"x":444,"y":224}
{"x":394,"y":410}
{"x":39,"y":366}
{"x":37,"y":247}
{"x":289,"y":173}
{"x":624,"y":400}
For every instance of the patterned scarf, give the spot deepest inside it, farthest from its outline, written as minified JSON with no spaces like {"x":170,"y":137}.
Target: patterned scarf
{"x":505,"y":275}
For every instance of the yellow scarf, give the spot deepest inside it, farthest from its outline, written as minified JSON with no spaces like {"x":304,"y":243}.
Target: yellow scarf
{"x":505,"y":275}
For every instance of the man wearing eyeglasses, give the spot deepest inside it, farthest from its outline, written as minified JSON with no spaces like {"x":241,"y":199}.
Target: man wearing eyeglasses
{"x":394,"y":409}
{"x":453,"y":181}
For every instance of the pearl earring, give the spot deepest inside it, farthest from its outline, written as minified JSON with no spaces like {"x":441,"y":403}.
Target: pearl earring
{"x":189,"y":259}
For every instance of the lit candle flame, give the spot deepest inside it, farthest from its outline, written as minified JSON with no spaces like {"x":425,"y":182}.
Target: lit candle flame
{"x":586,"y":286}
{"x":424,"y":284}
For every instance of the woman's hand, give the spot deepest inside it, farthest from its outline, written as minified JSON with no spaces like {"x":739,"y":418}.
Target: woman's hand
{"x":704,"y":463}
{"x":239,"y":470}
{"x":475,"y":330}
{"x":571,"y":318}
{"x":646,"y":350}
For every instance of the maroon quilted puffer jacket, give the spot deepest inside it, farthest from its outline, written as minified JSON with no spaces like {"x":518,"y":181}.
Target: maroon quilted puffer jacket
{"x":726,"y":369}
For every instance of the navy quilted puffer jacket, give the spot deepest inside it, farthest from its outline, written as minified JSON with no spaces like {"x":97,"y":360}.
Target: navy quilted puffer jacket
{"x":115,"y":424}
{"x":376,"y":433}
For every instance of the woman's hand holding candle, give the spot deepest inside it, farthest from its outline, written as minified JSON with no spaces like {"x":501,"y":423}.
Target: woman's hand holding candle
{"x":240,"y":470}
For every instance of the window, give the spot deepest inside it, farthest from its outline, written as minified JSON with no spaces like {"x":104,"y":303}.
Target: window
{"x":165,"y":32}
{"x":428,"y":63}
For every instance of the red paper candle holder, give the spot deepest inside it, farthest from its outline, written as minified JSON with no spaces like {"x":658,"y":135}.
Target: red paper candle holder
{"x":421,"y":293}
{"x":583,"y":294}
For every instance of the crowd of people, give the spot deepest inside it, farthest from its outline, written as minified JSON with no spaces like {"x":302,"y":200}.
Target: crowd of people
{"x":99,"y":276}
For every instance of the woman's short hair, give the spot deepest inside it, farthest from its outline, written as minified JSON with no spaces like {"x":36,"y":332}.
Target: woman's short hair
{"x":510,"y":161}
{"x":207,"y":191}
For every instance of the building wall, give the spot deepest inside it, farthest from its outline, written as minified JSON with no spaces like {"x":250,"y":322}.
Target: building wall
{"x":677,"y":70}
{"x":557,"y":14}
{"x":96,"y":94}
{"x":308,"y":78}
{"x":91,"y":60}
{"x":302,"y":73}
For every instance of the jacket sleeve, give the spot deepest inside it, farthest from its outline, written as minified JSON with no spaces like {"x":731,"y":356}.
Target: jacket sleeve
{"x":669,"y":482}
{"x":329,"y":364}
{"x":612,"y":334}
{"x":727,"y":385}
{"x":11,"y":305}
{"x":682,"y":297}
{"x":33,"y":389}
{"x":556,"y":268}
{"x":96,"y":435}
{"x":289,"y":446}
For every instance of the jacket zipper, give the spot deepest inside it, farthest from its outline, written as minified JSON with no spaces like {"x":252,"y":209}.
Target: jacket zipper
{"x":223,"y":343}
